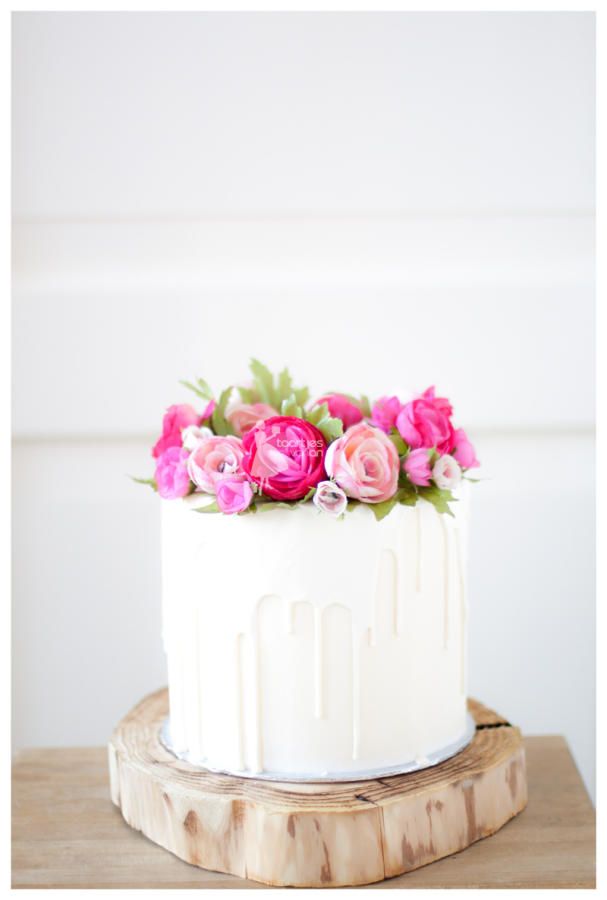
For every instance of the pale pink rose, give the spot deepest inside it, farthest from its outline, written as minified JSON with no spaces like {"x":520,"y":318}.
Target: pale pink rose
{"x":243,"y":416}
{"x":214,"y":459}
{"x":341,"y":407}
{"x":417,"y":466}
{"x":446,"y":473}
{"x":384,"y":413}
{"x":426,"y":422}
{"x":175,"y":420}
{"x":330,"y":498}
{"x":364,"y":462}
{"x":172,"y":479}
{"x":193,"y":435}
{"x":233,"y":495}
{"x":463,"y":450}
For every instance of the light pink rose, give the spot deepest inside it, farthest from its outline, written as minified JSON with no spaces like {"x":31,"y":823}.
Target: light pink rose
{"x":175,"y":420}
{"x":193,"y":435}
{"x":233,"y":495}
{"x":463,"y":450}
{"x":330,"y":498}
{"x":446,"y":473}
{"x":341,"y":407}
{"x":171,"y":474}
{"x":417,"y":466}
{"x":426,"y":422}
{"x":243,"y":416}
{"x":384,"y":413}
{"x":364,"y":462}
{"x":214,"y":459}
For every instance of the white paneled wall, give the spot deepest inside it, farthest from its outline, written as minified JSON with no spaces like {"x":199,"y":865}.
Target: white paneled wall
{"x":383,"y":201}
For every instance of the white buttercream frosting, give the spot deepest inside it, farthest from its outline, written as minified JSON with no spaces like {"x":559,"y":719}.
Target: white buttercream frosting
{"x":300,"y":643}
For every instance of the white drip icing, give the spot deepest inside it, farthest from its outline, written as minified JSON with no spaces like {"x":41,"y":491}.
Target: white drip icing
{"x":318,"y":667}
{"x":257,"y":765}
{"x":418,"y":549}
{"x":240,"y":702}
{"x":355,"y":693}
{"x":462,"y":610}
{"x":289,"y":614}
{"x":445,"y":581}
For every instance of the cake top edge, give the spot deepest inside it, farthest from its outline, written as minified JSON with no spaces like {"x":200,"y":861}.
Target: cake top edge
{"x":268,"y":445}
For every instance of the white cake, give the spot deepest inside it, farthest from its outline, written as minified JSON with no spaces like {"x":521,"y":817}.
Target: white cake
{"x":299,"y":644}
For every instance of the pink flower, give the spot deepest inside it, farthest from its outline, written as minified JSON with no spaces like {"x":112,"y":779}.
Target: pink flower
{"x":384,"y":413}
{"x":175,"y":419}
{"x":242,"y":416}
{"x":364,"y":462}
{"x":284,"y":456}
{"x":341,"y":407}
{"x":426,"y":422}
{"x":171,"y":474}
{"x":214,"y":459}
{"x":330,"y":498}
{"x":463,"y":451}
{"x":233,"y":495}
{"x":446,"y":473}
{"x":417,"y":466}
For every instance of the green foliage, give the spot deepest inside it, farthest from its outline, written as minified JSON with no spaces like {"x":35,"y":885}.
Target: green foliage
{"x":219,"y":423}
{"x":291,"y":407}
{"x":200,"y":388}
{"x":209,"y":508}
{"x":329,"y":427}
{"x":401,"y":448}
{"x":150,"y":481}
{"x":438,"y":497}
{"x":271,"y":390}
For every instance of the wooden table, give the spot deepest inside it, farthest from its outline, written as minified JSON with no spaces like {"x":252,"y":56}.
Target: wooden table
{"x":67,"y":833}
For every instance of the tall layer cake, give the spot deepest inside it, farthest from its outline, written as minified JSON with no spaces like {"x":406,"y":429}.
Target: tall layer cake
{"x":314,"y":581}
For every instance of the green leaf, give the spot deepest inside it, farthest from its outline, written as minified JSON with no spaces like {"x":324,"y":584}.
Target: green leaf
{"x":285,"y":386}
{"x":219,"y":422}
{"x":302,"y":395}
{"x":365,"y":406}
{"x":150,"y":481}
{"x":247,"y":395}
{"x":290,"y":407}
{"x":264,"y":382}
{"x":439,"y":498}
{"x":329,"y":427}
{"x":274,"y":504}
{"x":209,"y":508}
{"x":382,"y":509}
{"x":401,"y":447}
{"x":201,"y":388}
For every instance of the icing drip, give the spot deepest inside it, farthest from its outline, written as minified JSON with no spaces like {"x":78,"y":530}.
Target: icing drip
{"x":418,"y":549}
{"x":318,"y":667}
{"x":462,"y":610}
{"x":258,"y":736}
{"x":239,"y":702}
{"x":289,"y":613}
{"x":355,"y":693}
{"x":445,"y":581}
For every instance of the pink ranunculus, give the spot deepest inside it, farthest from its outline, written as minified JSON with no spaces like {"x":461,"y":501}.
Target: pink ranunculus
{"x":284,"y":455}
{"x":417,"y":466}
{"x":171,"y":474}
{"x":384,"y":413}
{"x":330,"y":498}
{"x":446,"y":473}
{"x":364,"y":462}
{"x":234,"y":495}
{"x":175,"y":420}
{"x":213,"y":460}
{"x":463,"y":451}
{"x":341,"y":407}
{"x":426,"y":422}
{"x":242,"y":416}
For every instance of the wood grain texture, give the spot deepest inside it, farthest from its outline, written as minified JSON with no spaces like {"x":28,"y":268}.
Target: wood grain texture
{"x":315,"y":835}
{"x":67,"y":834}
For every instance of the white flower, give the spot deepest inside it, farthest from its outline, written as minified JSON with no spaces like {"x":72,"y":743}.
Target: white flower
{"x":193,"y":435}
{"x":446,"y":473}
{"x":330,"y":498}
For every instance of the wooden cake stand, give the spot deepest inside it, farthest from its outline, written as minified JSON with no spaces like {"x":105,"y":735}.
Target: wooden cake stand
{"x":315,"y":835}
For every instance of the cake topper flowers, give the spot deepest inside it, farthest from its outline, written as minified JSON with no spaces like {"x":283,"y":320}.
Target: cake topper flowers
{"x":264,"y":445}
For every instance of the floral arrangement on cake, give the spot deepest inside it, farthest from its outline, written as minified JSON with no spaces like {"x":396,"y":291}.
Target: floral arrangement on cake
{"x":268,"y":445}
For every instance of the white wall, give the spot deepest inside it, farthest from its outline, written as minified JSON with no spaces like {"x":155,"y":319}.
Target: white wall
{"x":380,"y":200}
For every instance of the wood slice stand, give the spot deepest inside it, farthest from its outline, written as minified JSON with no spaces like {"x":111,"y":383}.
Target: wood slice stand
{"x":315,"y":835}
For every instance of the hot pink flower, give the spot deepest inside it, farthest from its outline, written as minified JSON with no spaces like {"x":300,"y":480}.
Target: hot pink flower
{"x":384,"y":413}
{"x":463,"y":450}
{"x":242,"y":416}
{"x":426,"y":422}
{"x":233,"y":495}
{"x":175,"y":419}
{"x":364,"y":462}
{"x":171,"y":474}
{"x":214,"y":459}
{"x":284,"y":455}
{"x":417,"y":467}
{"x":342,"y":408}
